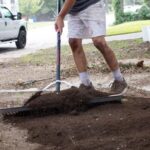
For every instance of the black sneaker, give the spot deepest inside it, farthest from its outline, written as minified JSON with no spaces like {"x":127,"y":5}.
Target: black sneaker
{"x":118,"y":87}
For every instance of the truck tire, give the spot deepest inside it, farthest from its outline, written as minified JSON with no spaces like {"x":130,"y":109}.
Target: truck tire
{"x":21,"y":40}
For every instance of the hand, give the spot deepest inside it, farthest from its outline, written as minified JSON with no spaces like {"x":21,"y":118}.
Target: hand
{"x":59,"y":24}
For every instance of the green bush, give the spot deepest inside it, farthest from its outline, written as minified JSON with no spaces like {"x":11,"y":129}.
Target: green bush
{"x":147,"y":2}
{"x":130,"y":16}
{"x":126,"y":17}
{"x":118,"y":8}
{"x":144,"y":13}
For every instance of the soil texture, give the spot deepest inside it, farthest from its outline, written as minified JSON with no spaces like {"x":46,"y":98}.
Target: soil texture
{"x":113,"y":126}
{"x":108,"y":127}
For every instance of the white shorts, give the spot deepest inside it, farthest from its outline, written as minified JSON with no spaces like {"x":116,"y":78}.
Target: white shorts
{"x":88,"y":23}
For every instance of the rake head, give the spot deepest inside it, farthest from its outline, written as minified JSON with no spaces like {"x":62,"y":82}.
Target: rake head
{"x":26,"y":111}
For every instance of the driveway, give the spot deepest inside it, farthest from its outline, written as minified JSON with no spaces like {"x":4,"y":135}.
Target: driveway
{"x":45,"y":37}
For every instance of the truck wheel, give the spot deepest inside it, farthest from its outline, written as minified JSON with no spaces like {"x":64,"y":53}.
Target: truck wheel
{"x":21,"y":40}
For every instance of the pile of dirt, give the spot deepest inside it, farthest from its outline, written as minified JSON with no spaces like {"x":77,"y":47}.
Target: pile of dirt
{"x":67,"y":100}
{"x":124,"y":126}
{"x":108,"y":127}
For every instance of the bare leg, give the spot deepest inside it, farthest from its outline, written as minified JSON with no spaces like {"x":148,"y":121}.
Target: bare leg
{"x":78,"y":54}
{"x":80,"y":60}
{"x":119,"y":85}
{"x":106,"y":51}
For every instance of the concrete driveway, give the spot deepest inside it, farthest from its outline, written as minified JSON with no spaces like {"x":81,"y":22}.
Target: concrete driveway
{"x":45,"y":37}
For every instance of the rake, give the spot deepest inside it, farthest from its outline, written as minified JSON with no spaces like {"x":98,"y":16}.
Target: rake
{"x":26,"y":110}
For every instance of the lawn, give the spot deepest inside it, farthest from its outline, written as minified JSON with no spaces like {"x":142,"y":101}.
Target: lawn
{"x":124,"y":28}
{"x":121,"y":49}
{"x":127,"y":27}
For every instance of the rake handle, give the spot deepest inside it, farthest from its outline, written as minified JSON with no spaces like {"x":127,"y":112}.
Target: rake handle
{"x":58,"y":52}
{"x":58,"y":55}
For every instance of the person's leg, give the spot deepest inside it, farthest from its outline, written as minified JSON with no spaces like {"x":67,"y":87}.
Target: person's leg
{"x":78,"y":54}
{"x":102,"y":46}
{"x":119,"y":85}
{"x":80,"y":60}
{"x":76,"y":32}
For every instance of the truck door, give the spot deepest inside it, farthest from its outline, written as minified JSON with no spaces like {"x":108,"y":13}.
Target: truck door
{"x":2,"y":26}
{"x":10,"y":23}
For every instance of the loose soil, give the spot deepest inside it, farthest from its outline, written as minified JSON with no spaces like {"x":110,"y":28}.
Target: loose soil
{"x":70,"y":100}
{"x":119,"y":126}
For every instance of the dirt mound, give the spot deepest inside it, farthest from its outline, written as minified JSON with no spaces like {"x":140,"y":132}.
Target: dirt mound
{"x":67,"y":100}
{"x":108,"y":127}
{"x":123,"y":126}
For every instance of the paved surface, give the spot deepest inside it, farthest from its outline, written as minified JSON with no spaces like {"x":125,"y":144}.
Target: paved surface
{"x":45,"y":37}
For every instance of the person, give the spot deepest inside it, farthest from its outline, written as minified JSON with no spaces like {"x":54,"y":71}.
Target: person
{"x":87,"y":19}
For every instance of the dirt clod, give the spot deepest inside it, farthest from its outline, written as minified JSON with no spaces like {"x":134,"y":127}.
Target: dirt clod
{"x":140,"y":64}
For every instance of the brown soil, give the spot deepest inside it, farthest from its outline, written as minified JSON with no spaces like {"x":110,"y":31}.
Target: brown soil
{"x":108,"y":127}
{"x":72,"y":99}
{"x":116,"y":126}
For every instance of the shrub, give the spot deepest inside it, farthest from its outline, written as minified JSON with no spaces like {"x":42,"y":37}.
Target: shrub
{"x":118,"y":8}
{"x":144,"y":13}
{"x":130,"y":16}
{"x":147,"y":2}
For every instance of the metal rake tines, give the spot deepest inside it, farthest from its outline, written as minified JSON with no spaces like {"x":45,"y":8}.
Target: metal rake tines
{"x":105,"y":99}
{"x":13,"y":111}
{"x":26,"y":111}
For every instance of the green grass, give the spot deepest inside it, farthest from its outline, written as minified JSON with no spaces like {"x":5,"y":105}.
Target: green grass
{"x":45,"y":56}
{"x":122,"y":50}
{"x":123,"y":44}
{"x":128,"y":27}
{"x":124,"y":28}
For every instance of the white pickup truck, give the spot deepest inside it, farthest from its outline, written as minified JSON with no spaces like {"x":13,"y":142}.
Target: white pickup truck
{"x":12,"y":28}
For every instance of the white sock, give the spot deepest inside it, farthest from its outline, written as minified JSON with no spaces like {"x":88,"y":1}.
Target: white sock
{"x":118,"y":75}
{"x":84,"y":77}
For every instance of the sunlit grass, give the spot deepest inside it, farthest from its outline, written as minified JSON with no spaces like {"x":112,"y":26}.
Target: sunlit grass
{"x":124,"y":28}
{"x":128,"y":27}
